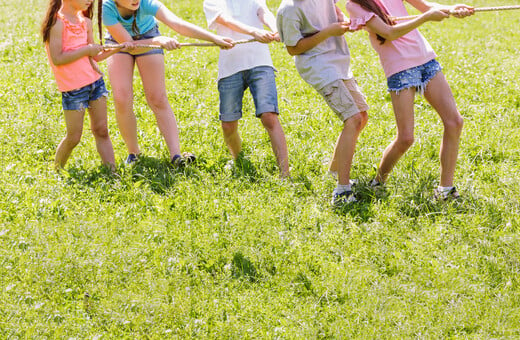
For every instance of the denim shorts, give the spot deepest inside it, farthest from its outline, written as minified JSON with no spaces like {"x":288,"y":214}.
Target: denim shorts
{"x":154,"y":32}
{"x":262,"y":86}
{"x":80,"y":99}
{"x":345,"y":98}
{"x":417,"y":77}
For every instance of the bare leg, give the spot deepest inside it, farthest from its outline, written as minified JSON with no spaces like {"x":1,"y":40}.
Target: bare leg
{"x":346,"y":145}
{"x":99,"y":126}
{"x":121,"y":74}
{"x":274,"y":129}
{"x":232,"y":138}
{"x":404,"y":118}
{"x":333,"y":164}
{"x":151,"y":69}
{"x":438,"y":94}
{"x":74,"y":123}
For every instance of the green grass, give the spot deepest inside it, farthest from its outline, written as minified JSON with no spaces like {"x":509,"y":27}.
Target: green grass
{"x":208,"y":253}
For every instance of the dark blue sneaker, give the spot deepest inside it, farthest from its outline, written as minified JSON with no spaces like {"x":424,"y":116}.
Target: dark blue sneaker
{"x":132,"y":158}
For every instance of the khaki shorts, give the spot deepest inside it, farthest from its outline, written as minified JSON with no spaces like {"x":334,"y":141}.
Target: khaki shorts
{"x":345,"y":98}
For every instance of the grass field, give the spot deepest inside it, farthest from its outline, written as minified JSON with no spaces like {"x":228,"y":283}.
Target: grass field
{"x":206,"y":252}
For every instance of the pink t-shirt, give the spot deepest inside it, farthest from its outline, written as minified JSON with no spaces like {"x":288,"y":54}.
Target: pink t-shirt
{"x":78,"y":73}
{"x":398,"y":55}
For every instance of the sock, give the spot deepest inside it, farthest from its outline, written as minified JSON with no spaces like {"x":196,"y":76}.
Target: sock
{"x":342,"y":188}
{"x":444,"y":189}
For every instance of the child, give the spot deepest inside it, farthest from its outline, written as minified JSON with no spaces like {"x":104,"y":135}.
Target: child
{"x":313,"y":32}
{"x":410,"y":66}
{"x":69,"y":43}
{"x":135,"y":21}
{"x":247,"y":65}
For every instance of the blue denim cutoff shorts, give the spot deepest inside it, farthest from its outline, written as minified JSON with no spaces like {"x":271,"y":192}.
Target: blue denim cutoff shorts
{"x":262,"y":86}
{"x":417,"y":77}
{"x":80,"y":99}
{"x":154,"y":32}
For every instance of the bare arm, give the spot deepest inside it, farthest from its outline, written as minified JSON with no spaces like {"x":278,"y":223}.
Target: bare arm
{"x":259,"y":34}
{"x":389,"y":32}
{"x":269,"y":20}
{"x":60,"y":57}
{"x":307,"y":43}
{"x":458,"y":10}
{"x":190,"y":30}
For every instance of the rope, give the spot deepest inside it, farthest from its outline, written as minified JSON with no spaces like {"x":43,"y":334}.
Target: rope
{"x":481,"y":9}
{"x":109,"y":47}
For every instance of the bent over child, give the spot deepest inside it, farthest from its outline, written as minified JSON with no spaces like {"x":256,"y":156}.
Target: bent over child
{"x":313,"y":32}
{"x":136,"y":22}
{"x":69,"y":43}
{"x":410,"y":67}
{"x":247,"y":66}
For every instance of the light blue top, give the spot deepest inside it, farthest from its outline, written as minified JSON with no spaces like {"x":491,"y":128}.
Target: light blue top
{"x":145,"y":16}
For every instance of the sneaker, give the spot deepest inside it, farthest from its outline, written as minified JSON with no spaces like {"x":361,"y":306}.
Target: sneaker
{"x":343,"y":198}
{"x":180,"y":161}
{"x":132,"y":158}
{"x":189,"y":157}
{"x":450,"y":195}
{"x":375,"y":184}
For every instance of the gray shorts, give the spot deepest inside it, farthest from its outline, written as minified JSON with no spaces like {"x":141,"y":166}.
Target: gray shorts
{"x":345,"y":98}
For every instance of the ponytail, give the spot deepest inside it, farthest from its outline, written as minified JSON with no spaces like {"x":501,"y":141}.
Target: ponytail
{"x":50,"y":19}
{"x":135,"y":28}
{"x":89,"y":13}
{"x":376,"y":7}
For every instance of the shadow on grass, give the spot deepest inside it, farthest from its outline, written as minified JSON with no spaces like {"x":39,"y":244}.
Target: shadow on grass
{"x":159,"y":174}
{"x":89,"y":177}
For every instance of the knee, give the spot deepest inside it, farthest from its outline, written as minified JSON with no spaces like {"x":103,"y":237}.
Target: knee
{"x":454,"y":124}
{"x":157,"y":101}
{"x":404,"y":142}
{"x":269,"y":121}
{"x":358,"y":121}
{"x":122,"y":97}
{"x":229,"y":128}
{"x":364,"y":119}
{"x":100,"y":131}
{"x":73,"y":139}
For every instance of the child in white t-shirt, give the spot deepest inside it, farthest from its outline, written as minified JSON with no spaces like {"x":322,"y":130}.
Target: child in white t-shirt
{"x":247,"y":66}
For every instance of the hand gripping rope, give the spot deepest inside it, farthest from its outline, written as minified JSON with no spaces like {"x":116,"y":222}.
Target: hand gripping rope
{"x":481,"y":9}
{"x":108,"y":47}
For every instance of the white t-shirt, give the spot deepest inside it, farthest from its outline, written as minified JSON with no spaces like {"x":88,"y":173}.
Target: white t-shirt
{"x":242,"y":56}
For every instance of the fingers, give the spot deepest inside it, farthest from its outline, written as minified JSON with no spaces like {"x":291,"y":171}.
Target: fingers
{"x":226,"y":43}
{"x":461,"y":11}
{"x":170,"y":44}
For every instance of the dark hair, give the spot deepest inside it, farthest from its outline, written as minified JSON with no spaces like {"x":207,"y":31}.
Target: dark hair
{"x":376,"y":7}
{"x":50,"y":18}
{"x":135,"y":28}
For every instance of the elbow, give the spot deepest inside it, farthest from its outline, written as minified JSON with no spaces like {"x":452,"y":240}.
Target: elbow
{"x":57,"y":61}
{"x":292,"y":50}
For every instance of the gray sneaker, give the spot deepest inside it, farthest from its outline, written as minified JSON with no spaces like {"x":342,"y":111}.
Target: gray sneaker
{"x":443,"y":196}
{"x":344,"y":198}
